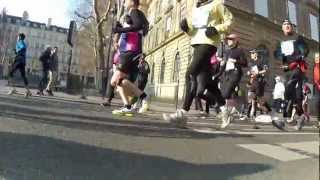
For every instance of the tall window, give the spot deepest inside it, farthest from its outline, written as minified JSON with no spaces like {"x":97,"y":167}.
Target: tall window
{"x":183,"y":10}
{"x":152,"y":74}
{"x":168,"y":26}
{"x":175,"y":74}
{"x":261,"y":7}
{"x":292,"y":12}
{"x":162,"y":70}
{"x":314,"y":27}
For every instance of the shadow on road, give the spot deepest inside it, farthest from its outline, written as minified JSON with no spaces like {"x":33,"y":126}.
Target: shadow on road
{"x":107,"y":124}
{"x":31,"y":157}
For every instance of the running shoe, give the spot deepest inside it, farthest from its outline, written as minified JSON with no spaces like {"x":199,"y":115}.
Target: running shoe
{"x":178,"y":119}
{"x":123,"y":111}
{"x":144,"y":107}
{"x":50,"y":93}
{"x":279,"y":124}
{"x":27,"y":94}
{"x":300,"y":123}
{"x":40,"y":93}
{"x":225,"y":118}
{"x":12,"y":91}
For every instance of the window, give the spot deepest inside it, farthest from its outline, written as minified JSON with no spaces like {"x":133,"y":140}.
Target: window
{"x":183,"y":10}
{"x":162,"y":70}
{"x":314,"y":27}
{"x":168,"y":26}
{"x":152,"y":74}
{"x":261,"y":7}
{"x":175,"y":74}
{"x":292,"y":12}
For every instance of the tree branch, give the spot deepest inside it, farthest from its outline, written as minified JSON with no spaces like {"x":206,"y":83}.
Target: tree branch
{"x":105,"y":16}
{"x":87,"y":18}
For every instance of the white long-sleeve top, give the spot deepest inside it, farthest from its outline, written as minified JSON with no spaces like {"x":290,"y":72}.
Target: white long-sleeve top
{"x":278,"y":92}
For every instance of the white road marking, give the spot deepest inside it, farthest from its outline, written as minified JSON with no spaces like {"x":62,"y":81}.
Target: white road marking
{"x":309,"y":147}
{"x":275,"y":152}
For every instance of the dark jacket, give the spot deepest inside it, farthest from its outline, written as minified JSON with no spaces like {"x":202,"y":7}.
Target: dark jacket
{"x":54,"y":63}
{"x":45,"y":59}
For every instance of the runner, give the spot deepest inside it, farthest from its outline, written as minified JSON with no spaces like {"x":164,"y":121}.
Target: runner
{"x":19,"y":64}
{"x":256,"y":84}
{"x":130,"y":47}
{"x":232,"y":62}
{"x":292,"y":51}
{"x":316,"y":80}
{"x":209,"y":20}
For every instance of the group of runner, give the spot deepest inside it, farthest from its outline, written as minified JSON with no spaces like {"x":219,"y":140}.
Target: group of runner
{"x":215,"y":72}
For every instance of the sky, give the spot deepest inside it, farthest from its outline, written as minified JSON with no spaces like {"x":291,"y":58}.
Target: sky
{"x":41,"y":10}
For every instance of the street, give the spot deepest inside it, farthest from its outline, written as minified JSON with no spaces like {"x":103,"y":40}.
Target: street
{"x":52,"y":138}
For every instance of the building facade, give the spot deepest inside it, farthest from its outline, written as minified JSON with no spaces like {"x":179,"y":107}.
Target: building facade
{"x":257,"y":22}
{"x":38,"y":37}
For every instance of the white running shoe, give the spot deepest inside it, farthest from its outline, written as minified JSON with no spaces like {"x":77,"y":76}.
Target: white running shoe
{"x":27,"y":94}
{"x":144,"y":107}
{"x":178,"y":118}
{"x":12,"y":91}
{"x":123,"y":111}
{"x":225,"y":118}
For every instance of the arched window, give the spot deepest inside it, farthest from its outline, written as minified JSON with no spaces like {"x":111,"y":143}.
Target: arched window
{"x":162,"y":70}
{"x":176,"y":68}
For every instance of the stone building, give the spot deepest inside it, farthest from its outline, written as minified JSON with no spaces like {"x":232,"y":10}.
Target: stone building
{"x":38,"y":36}
{"x":258,"y":22}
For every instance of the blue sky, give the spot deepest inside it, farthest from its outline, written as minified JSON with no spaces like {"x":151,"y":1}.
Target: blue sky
{"x":41,"y":10}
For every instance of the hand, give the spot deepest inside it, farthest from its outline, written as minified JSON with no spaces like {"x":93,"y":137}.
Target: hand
{"x":184,"y":25}
{"x":213,"y":78}
{"x":232,"y":60}
{"x":211,"y":31}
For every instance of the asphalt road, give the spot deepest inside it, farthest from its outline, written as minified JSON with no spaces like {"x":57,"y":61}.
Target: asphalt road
{"x":55,"y":139}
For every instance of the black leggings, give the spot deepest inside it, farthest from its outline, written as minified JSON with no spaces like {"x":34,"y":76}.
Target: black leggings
{"x":18,"y":65}
{"x":293,"y":93}
{"x":44,"y":79}
{"x":198,"y":73}
{"x":230,"y":81}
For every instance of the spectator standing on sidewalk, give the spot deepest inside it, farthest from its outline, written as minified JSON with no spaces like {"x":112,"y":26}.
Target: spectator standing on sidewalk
{"x":144,"y":71}
{"x":278,"y":95}
{"x":53,"y":71}
{"x":45,"y":62}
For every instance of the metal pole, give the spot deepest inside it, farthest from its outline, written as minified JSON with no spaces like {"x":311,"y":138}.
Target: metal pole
{"x":69,"y":70}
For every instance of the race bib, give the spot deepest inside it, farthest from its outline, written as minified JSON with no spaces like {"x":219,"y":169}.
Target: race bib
{"x":255,"y":69}
{"x":230,"y":65}
{"x":287,"y":47}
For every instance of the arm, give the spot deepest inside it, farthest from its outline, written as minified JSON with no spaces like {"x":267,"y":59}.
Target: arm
{"x":226,"y":19}
{"x":242,"y":60}
{"x":137,"y":23}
